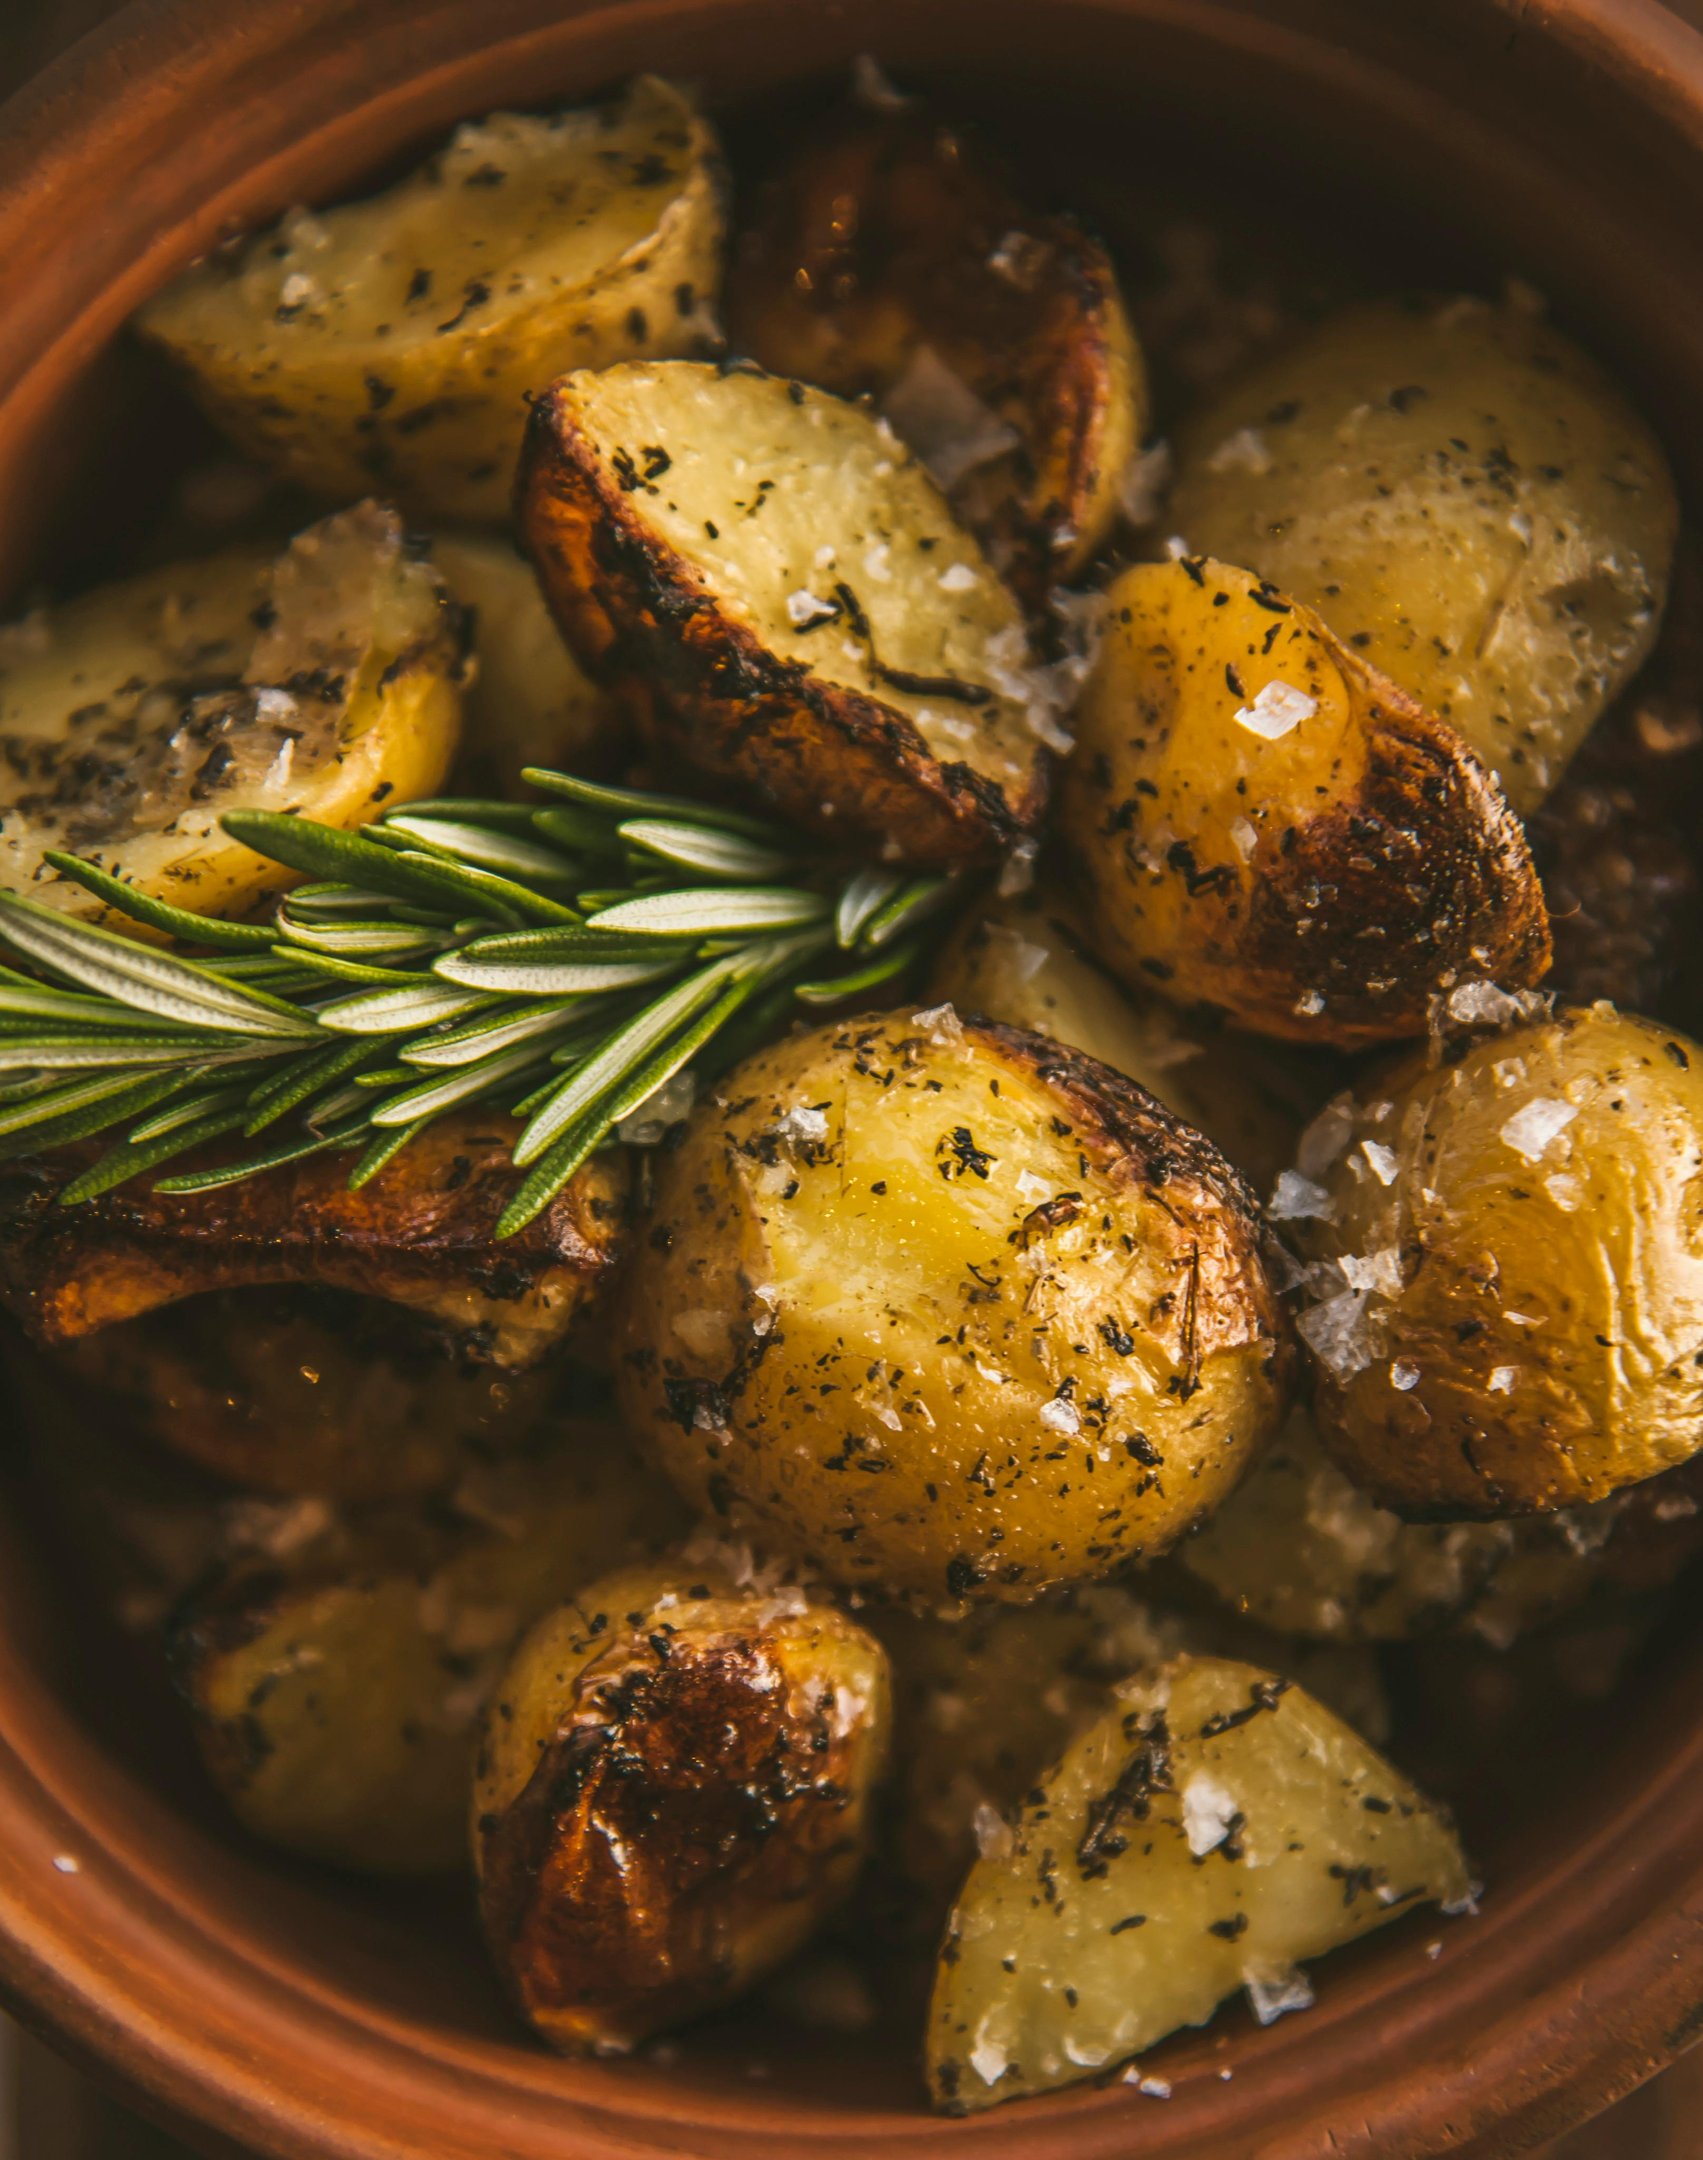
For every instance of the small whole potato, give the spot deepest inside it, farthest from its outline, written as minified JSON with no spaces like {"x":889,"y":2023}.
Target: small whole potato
{"x":674,"y":1789}
{"x":1465,"y":498}
{"x":1507,"y":1296}
{"x":1256,"y":819}
{"x":949,"y":1310}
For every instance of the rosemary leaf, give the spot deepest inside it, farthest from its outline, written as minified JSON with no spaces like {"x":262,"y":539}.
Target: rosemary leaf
{"x":718,"y":912}
{"x":862,"y":896}
{"x":706,"y":848}
{"x":834,"y":989}
{"x":522,"y":978}
{"x":70,"y":1053}
{"x":506,"y":853}
{"x":916,"y":898}
{"x":157,"y":914}
{"x":432,"y":1097}
{"x":354,"y":940}
{"x":620,"y":803}
{"x":492,"y":1031}
{"x":124,"y":1162}
{"x":329,"y":967}
{"x":398,"y":1012}
{"x":383,"y":1148}
{"x":323,"y":851}
{"x":180,"y":1111}
{"x":233,"y":1173}
{"x":75,"y":1108}
{"x":283,"y":1092}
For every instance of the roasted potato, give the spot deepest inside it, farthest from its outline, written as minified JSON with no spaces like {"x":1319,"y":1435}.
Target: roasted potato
{"x":781,"y":588}
{"x":528,"y":702}
{"x":305,"y":1391}
{"x":336,"y":1675}
{"x":325,"y":680}
{"x":674,"y":1789}
{"x":1212,"y":1828}
{"x":889,"y":259}
{"x":393,"y":342}
{"x":1506,"y":1302}
{"x":1259,"y":820}
{"x":1301,"y":1550}
{"x":950,"y":1310}
{"x":1465,"y":499}
{"x":1023,"y":960}
{"x":418,"y":1236}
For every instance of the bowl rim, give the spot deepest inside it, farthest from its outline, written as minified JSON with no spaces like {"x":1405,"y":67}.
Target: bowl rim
{"x":132,"y":1974}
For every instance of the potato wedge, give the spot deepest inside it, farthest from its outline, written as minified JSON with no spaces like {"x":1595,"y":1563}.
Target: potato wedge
{"x":783,"y":590}
{"x":889,"y":259}
{"x":303,"y":1390}
{"x":337,"y":1674}
{"x":326,"y":680}
{"x":1260,"y":821}
{"x":393,"y":342}
{"x":1214,"y":1827}
{"x":1301,"y":1550}
{"x":528,"y":701}
{"x":419,"y":1236}
{"x":1023,"y":960}
{"x":950,"y":1310}
{"x":1465,"y":498}
{"x":674,"y":1789}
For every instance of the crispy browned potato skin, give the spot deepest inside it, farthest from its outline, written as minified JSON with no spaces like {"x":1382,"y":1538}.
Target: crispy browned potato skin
{"x":706,"y":688}
{"x":420,"y":1236}
{"x":883,"y":238}
{"x":1383,"y":865}
{"x":674,"y":1789}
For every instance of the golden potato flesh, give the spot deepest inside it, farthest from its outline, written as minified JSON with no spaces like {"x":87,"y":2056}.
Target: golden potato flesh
{"x":1259,"y":821}
{"x":392,"y":343}
{"x":1023,"y":960}
{"x":1506,"y":1310}
{"x":783,"y":590}
{"x":325,"y":681}
{"x":1212,"y":1828}
{"x":889,"y":259}
{"x":1301,"y":1550}
{"x":1465,"y":499}
{"x":336,"y":1670}
{"x":950,"y":1310}
{"x":673,"y":1791}
{"x":528,"y":701}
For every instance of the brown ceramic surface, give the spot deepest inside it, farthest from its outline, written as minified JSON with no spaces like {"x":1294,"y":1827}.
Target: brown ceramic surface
{"x":307,"y":2017}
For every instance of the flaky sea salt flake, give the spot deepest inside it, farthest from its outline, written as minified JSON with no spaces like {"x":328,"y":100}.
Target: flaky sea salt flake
{"x":1276,"y":710}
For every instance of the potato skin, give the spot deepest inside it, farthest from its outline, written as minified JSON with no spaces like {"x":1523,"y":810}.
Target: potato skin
{"x":891,"y":236}
{"x":949,"y":1310}
{"x":1523,"y":1331}
{"x":707,"y":681}
{"x":490,"y":290}
{"x":419,"y":1236}
{"x":673,"y":1791}
{"x":1320,"y":885}
{"x":1462,"y":494}
{"x":1211,"y":1828}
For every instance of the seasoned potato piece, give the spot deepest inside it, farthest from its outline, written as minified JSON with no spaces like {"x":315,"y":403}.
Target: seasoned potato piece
{"x":393,"y":342}
{"x":304,"y":1391}
{"x":1022,"y":960}
{"x":1302,"y":1550}
{"x":674,"y":1789}
{"x":1465,"y":499}
{"x":1508,"y":1296}
{"x":949,"y":1309}
{"x":785,"y":590}
{"x":1261,"y":821}
{"x":528,"y":702}
{"x":337,"y":1674}
{"x":419,"y":1236}
{"x":1212,"y":1828}
{"x":890,"y":259}
{"x":325,"y":681}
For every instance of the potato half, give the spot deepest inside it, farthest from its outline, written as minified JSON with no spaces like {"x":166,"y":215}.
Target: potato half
{"x":337,"y":1682}
{"x":528,"y":700}
{"x":783,"y":589}
{"x":889,"y":259}
{"x":1212,"y":1828}
{"x":1023,"y":960}
{"x":674,"y":1789}
{"x":419,"y":1236}
{"x":392,"y":343}
{"x":1300,"y":1549}
{"x":326,"y":680}
{"x":1506,"y":1306}
{"x":949,"y":1309}
{"x":1466,"y":500}
{"x":1259,"y":821}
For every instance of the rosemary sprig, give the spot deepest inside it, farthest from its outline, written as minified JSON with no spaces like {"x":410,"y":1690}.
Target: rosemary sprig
{"x":563,"y":962}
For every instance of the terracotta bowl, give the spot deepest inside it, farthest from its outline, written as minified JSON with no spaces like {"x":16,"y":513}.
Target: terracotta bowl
{"x":299,"y":2015}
